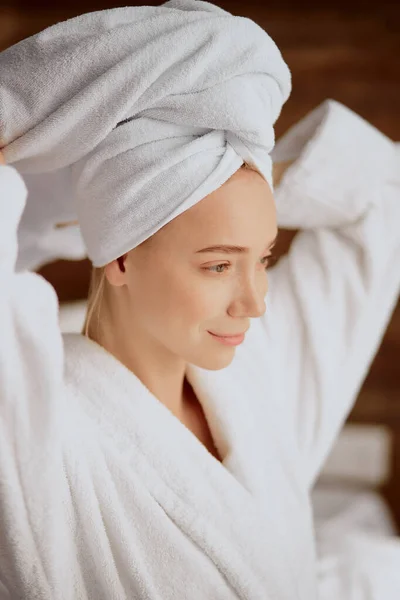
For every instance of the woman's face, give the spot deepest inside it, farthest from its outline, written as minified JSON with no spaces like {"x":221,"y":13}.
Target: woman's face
{"x":178,"y":292}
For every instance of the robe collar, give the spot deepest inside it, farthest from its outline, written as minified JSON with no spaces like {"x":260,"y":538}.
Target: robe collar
{"x":234,"y":509}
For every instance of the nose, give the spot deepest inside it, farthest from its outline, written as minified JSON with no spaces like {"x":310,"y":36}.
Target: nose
{"x":250,"y":298}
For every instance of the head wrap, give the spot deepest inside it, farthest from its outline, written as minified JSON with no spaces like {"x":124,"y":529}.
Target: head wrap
{"x":125,"y":118}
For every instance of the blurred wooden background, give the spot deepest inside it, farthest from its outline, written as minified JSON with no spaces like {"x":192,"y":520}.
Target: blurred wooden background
{"x":347,"y":50}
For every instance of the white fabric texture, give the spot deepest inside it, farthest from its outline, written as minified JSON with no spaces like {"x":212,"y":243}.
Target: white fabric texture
{"x":105,"y":494}
{"x":340,"y":510}
{"x":135,"y":114}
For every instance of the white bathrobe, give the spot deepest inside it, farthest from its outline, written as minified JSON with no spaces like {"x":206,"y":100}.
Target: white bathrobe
{"x":106,"y":495}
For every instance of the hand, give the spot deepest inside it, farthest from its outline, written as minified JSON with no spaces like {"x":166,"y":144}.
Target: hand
{"x":2,"y":161}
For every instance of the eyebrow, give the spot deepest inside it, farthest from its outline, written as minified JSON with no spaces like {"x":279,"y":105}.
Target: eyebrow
{"x":227,"y":249}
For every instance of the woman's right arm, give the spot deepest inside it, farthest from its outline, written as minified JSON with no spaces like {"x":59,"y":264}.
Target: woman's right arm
{"x":31,"y":398}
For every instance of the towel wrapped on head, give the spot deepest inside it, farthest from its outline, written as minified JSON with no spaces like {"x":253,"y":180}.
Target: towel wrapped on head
{"x":125,"y":118}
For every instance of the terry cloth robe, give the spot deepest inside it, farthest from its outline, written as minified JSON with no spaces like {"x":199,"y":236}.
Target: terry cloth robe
{"x":105,"y":495}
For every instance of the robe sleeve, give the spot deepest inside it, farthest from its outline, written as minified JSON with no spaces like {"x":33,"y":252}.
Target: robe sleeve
{"x":31,"y":374}
{"x":331,"y":297}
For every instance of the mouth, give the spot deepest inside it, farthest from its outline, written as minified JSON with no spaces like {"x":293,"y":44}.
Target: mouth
{"x":229,"y":340}
{"x":228,"y":335}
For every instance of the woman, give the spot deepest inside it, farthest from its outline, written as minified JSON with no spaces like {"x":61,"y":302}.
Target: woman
{"x":154,"y":458}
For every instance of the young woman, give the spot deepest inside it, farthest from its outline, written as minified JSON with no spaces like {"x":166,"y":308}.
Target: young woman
{"x":166,"y":459}
{"x":169,"y":452}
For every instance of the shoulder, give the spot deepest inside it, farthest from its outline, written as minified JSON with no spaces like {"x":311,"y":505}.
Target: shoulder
{"x":90,"y":369}
{"x":79,"y":353}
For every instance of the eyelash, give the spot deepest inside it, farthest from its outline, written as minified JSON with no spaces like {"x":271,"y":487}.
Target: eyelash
{"x":269,"y":258}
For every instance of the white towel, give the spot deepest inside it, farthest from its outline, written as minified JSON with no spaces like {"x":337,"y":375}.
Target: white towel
{"x":137,"y":113}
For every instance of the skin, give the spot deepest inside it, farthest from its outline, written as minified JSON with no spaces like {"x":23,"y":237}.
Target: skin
{"x":155,"y":316}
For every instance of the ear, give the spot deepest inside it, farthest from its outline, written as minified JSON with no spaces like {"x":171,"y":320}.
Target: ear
{"x":115,"y":271}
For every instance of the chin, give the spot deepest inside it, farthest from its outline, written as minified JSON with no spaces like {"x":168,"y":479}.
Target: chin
{"x":215,"y":362}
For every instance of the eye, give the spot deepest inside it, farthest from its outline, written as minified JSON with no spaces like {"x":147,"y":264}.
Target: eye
{"x":216,"y":267}
{"x":222,"y":267}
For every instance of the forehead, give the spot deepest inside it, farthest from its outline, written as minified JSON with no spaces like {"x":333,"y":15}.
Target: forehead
{"x":241,"y":212}
{"x":242,"y":207}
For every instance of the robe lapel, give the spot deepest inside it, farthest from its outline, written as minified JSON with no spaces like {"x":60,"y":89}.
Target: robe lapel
{"x":231,"y":510}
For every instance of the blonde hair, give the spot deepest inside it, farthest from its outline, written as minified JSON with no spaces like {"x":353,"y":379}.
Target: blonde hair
{"x":97,"y":286}
{"x":94,"y":300}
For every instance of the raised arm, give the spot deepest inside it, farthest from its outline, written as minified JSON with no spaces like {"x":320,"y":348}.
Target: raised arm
{"x":330,"y":299}
{"x":31,"y":373}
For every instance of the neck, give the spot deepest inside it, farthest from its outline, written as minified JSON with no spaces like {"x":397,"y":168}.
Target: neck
{"x":160,"y":371}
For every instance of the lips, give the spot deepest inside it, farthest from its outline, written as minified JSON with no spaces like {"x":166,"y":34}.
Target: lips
{"x":231,"y":335}
{"x":228,"y":340}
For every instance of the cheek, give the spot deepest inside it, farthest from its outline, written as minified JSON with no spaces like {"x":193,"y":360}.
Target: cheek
{"x":188,"y":299}
{"x":205,"y":303}
{"x":164,"y":297}
{"x":177,"y":301}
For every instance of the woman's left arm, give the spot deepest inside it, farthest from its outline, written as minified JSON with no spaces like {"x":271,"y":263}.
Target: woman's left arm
{"x":331,"y":297}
